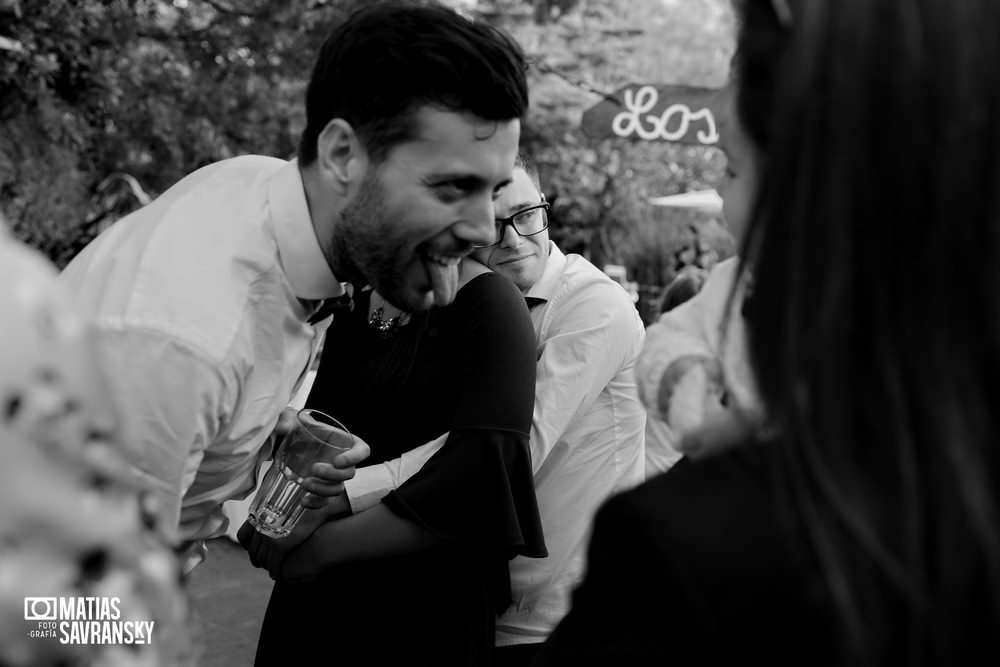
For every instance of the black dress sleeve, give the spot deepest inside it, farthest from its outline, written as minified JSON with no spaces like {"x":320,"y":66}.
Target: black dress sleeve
{"x":478,"y":488}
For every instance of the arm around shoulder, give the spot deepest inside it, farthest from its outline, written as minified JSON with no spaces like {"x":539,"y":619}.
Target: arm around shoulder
{"x":591,"y":336}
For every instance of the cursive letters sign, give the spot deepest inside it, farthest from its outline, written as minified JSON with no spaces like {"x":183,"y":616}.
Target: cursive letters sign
{"x":681,"y":114}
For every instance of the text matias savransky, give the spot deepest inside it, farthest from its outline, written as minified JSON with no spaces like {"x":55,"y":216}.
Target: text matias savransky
{"x":85,"y":620}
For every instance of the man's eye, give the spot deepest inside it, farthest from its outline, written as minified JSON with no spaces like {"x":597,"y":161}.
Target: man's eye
{"x":449,"y":192}
{"x":525,"y":216}
{"x":453,"y":190}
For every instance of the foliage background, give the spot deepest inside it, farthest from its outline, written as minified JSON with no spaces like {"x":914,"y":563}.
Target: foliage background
{"x":105,"y":103}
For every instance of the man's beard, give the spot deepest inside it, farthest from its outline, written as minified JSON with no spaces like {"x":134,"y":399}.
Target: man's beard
{"x":366,"y":247}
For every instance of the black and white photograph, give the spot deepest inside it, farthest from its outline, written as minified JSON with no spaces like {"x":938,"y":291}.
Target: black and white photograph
{"x":499,"y":333}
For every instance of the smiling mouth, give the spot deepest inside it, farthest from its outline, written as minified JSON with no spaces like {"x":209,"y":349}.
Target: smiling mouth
{"x":515,"y":259}
{"x":443,"y":260}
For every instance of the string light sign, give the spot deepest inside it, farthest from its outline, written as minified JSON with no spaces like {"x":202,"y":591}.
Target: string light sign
{"x":648,"y":112}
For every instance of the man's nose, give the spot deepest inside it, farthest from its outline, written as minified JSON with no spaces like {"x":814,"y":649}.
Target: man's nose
{"x":509,"y":238}
{"x":477,"y":222}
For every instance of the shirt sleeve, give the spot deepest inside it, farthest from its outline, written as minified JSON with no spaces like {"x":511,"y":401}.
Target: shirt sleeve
{"x":372,"y":483}
{"x":595,"y":332}
{"x":173,"y":404}
{"x":478,"y":488}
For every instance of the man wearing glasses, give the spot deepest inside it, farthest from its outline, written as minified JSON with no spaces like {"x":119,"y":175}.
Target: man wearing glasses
{"x":587,"y":434}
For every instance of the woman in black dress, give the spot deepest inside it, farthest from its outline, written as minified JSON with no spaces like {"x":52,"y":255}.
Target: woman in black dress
{"x":419,"y":578}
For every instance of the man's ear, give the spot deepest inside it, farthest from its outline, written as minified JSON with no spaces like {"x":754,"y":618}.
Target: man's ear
{"x":339,"y":155}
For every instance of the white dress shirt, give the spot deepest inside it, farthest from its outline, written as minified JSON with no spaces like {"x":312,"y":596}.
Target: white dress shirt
{"x":698,"y":328}
{"x":199,"y":303}
{"x":586,"y":435}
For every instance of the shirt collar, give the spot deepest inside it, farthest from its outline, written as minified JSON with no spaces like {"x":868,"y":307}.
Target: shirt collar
{"x":546,"y":286}
{"x":301,"y":257}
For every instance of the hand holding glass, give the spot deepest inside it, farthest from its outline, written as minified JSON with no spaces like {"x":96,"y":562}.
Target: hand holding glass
{"x":315,"y":437}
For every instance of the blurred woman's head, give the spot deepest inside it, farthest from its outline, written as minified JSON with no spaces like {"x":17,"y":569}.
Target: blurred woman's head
{"x":682,"y":288}
{"x":739,"y":185}
{"x":880,"y":121}
{"x":873,"y":323}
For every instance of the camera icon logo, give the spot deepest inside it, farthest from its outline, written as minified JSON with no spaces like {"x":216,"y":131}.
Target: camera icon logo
{"x":40,"y":609}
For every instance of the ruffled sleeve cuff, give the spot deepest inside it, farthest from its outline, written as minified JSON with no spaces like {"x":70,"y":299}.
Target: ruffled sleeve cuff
{"x":478,"y":490}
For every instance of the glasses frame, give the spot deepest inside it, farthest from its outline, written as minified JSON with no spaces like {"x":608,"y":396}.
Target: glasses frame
{"x":508,"y":221}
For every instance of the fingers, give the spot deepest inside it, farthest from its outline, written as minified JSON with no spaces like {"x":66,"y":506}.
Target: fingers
{"x":325,"y":480}
{"x":329,"y":473}
{"x":342,"y":467}
{"x":322,"y":508}
{"x":328,"y":478}
{"x":355,"y":455}
{"x":317,"y":499}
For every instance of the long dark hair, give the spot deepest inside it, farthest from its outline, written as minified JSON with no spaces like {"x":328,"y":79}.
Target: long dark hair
{"x":875,"y":318}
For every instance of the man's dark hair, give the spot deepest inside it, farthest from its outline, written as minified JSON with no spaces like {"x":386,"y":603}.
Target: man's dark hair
{"x":522,"y":161}
{"x":387,"y":60}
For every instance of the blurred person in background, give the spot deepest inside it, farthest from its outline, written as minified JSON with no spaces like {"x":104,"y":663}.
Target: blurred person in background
{"x":693,"y":373}
{"x":685,"y":285}
{"x":73,"y":524}
{"x":662,"y":443}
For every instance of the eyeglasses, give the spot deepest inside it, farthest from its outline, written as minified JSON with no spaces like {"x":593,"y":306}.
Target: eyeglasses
{"x":526,"y":222}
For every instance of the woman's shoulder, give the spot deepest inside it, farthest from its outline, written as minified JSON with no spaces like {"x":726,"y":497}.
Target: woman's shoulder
{"x":470,"y":269}
{"x":699,"y":502}
{"x":479,"y":284}
{"x":489,"y":309}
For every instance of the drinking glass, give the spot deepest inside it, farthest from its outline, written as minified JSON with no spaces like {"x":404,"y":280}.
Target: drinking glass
{"x":315,"y":437}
